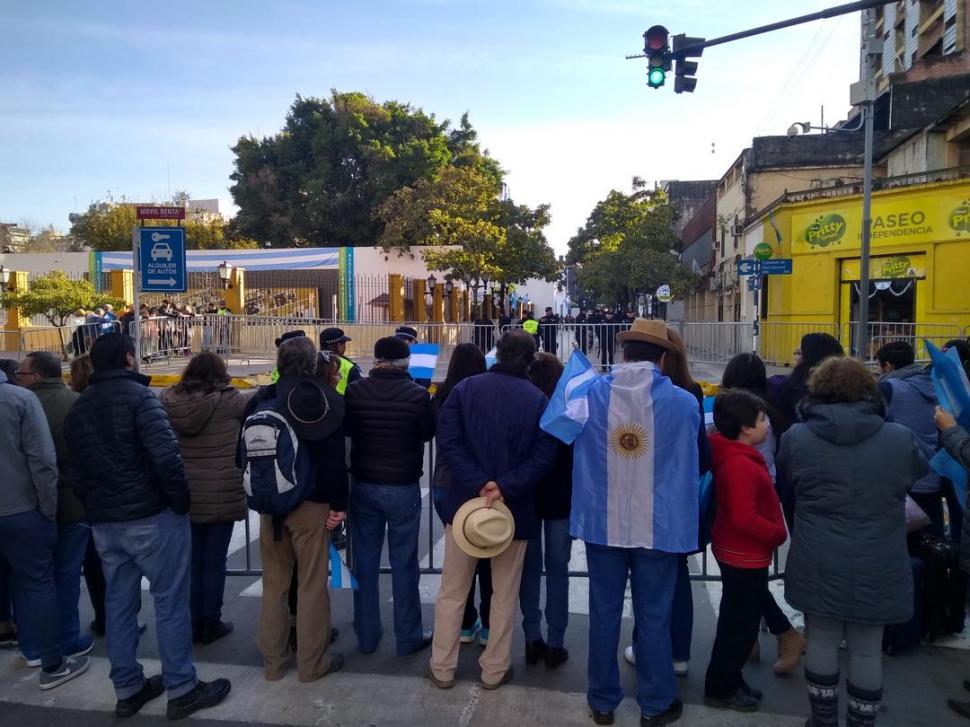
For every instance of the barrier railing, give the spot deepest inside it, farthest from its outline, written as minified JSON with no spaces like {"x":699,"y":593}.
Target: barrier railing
{"x":67,"y":341}
{"x":879,"y":334}
{"x":11,"y":342}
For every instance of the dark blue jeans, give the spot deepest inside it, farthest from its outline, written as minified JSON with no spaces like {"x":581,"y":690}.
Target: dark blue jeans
{"x":653,"y":576}
{"x":27,"y":542}
{"x":157,"y":548}
{"x":210,"y":544}
{"x":682,"y":617}
{"x":558,"y":546}
{"x":6,"y":612}
{"x":72,"y":542}
{"x":375,"y":508}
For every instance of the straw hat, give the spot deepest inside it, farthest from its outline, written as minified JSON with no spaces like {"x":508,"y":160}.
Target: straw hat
{"x":647,"y":331}
{"x":483,"y":532}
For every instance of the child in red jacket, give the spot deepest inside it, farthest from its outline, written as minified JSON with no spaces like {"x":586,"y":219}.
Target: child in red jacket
{"x":748,"y":526}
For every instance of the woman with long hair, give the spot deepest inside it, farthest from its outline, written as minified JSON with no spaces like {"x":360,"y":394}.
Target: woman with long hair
{"x":206,"y":411}
{"x":785,"y":392}
{"x":466,"y":360}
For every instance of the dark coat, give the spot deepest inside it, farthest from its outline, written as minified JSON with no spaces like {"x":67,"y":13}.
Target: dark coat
{"x":123,"y":451}
{"x":388,"y":420}
{"x":489,"y":431}
{"x":554,"y":492}
{"x":956,"y":441}
{"x":785,"y":395}
{"x":850,"y":471}
{"x":207,"y":426}
{"x":57,"y":399}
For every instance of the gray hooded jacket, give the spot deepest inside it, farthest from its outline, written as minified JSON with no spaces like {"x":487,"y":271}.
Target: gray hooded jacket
{"x":911,"y":401}
{"x":28,"y":465}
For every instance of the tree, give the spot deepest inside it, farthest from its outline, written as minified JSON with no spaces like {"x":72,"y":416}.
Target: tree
{"x":56,"y":297}
{"x":627,"y":247}
{"x":107,"y":226}
{"x":321,"y":180}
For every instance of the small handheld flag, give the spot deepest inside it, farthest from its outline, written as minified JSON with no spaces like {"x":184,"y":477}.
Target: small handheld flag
{"x":340,"y":575}
{"x":424,"y":358}
{"x":568,"y":410}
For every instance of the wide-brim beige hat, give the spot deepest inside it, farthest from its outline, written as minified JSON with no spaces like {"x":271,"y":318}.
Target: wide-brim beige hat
{"x":647,"y":331}
{"x":483,"y":532}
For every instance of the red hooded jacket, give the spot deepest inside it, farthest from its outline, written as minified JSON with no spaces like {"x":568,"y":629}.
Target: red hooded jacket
{"x":748,"y":524}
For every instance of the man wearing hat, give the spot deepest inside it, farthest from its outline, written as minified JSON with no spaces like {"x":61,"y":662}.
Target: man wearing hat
{"x":490,"y":439}
{"x":334,"y":340}
{"x":389,"y":420}
{"x":635,"y":504}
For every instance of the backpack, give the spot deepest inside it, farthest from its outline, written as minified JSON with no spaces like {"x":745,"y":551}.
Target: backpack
{"x":278,"y":473}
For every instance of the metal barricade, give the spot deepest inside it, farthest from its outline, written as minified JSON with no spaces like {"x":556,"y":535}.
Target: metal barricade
{"x":716,"y":342}
{"x":777,"y":342}
{"x":66,"y":341}
{"x":163,"y":338}
{"x":880,"y":333}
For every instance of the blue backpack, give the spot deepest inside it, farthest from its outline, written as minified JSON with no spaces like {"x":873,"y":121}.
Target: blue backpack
{"x":278,"y":473}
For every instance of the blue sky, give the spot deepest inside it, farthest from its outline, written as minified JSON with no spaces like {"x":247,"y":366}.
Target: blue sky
{"x":145,"y":99}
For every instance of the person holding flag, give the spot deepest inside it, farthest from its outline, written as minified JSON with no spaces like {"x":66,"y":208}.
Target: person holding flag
{"x":635,"y":504}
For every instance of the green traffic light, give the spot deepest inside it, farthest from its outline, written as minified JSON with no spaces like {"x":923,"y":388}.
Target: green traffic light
{"x":656,"y":77}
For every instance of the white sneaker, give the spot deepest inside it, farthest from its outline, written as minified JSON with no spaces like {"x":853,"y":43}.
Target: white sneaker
{"x":70,"y":668}
{"x":32,"y":663}
{"x":680,"y":668}
{"x":630,"y":656}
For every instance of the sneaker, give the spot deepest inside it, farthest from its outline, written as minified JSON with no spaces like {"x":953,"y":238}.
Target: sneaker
{"x":205,"y":694}
{"x":681,"y":667}
{"x":82,"y":648}
{"x":32,"y":663}
{"x":468,"y":635}
{"x":129,"y":707}
{"x":668,"y":716}
{"x":482,"y":637}
{"x":535,"y":651}
{"x":630,"y":657}
{"x":740,"y":702}
{"x":69,"y":669}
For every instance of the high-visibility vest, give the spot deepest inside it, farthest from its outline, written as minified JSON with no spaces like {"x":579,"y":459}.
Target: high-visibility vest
{"x":531,"y":326}
{"x":345,"y":368}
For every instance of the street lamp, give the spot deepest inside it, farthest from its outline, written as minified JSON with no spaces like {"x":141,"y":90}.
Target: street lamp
{"x":225,"y":275}
{"x":4,"y":277}
{"x":449,"y":286}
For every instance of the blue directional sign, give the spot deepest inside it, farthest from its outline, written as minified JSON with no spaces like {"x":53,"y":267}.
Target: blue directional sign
{"x":749,"y":266}
{"x":776,"y":266}
{"x":754,"y":283}
{"x":161,"y":260}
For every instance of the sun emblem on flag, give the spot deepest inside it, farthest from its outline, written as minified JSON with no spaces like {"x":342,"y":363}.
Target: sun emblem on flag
{"x":628,"y":441}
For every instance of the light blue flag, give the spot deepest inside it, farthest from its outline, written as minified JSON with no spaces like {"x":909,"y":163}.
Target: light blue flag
{"x":490,"y":358}
{"x":635,"y":459}
{"x":953,"y":391}
{"x":340,"y":575}
{"x":424,"y":358}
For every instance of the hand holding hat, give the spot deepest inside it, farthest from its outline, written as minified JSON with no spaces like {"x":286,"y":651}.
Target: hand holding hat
{"x":482,"y":530}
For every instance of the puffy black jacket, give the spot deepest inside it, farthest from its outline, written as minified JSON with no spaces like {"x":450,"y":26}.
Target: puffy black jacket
{"x":388,"y":421}
{"x":123,"y":451}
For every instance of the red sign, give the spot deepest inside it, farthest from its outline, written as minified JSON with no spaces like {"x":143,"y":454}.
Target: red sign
{"x":154,"y":212}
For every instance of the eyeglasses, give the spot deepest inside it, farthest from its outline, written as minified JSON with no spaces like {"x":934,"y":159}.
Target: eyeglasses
{"x":23,"y":373}
{"x":798,"y":352}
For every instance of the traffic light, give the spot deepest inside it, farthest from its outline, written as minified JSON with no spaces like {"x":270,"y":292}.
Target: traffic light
{"x":657,"y":49}
{"x":684,"y":70}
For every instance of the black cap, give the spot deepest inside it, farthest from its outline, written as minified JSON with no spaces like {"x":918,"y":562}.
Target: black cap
{"x":406,"y":333}
{"x":330,"y":336}
{"x":391,"y":348}
{"x":288,"y":335}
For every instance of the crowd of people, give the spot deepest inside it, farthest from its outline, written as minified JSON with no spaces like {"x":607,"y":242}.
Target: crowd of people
{"x":106,"y":477}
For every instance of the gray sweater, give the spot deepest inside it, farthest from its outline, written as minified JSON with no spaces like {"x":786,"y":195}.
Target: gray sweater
{"x":28,"y":466}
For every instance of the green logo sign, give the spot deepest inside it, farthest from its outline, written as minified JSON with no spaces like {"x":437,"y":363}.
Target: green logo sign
{"x":826,"y":230}
{"x":894,"y":267}
{"x":960,"y":218}
{"x":763,"y":251}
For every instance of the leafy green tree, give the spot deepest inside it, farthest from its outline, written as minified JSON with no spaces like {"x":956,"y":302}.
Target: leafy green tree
{"x":321,"y":180}
{"x":627,"y":247}
{"x":56,"y":297}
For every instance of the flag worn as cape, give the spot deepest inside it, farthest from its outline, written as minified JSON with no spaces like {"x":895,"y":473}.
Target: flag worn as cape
{"x":953,"y":391}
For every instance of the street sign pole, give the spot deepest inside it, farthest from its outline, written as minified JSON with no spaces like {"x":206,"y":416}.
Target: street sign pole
{"x":868,"y":109}
{"x":136,"y":289}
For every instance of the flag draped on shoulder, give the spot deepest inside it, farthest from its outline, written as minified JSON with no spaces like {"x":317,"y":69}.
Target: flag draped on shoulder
{"x":635,"y":463}
{"x":953,"y":391}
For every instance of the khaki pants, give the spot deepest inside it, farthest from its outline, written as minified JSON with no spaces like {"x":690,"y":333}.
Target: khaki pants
{"x":456,"y":579}
{"x":304,"y":540}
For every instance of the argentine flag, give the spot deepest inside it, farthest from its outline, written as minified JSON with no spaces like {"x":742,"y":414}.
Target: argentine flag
{"x":424,"y":358}
{"x":635,"y":459}
{"x":953,"y":392}
{"x":340,"y":575}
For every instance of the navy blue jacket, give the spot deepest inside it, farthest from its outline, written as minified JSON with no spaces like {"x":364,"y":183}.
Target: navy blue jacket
{"x":489,"y":431}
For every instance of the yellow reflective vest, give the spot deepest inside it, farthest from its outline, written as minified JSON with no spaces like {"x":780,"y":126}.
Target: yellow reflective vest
{"x":345,"y":368}
{"x":531,"y":326}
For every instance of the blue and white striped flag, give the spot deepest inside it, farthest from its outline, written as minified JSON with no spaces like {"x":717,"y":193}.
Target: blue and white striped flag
{"x":490,"y":358}
{"x":953,"y":391}
{"x":340,"y":575}
{"x":424,"y":358}
{"x":635,"y":459}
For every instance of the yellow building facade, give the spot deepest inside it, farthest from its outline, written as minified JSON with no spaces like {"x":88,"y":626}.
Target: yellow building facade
{"x":919,"y":268}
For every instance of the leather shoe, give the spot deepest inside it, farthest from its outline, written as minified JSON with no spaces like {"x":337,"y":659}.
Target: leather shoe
{"x":668,"y":716}
{"x":205,"y":694}
{"x":426,"y":639}
{"x":506,"y":678}
{"x":746,"y":688}
{"x":151,"y":689}
{"x":216,"y":631}
{"x":738,"y":702}
{"x":556,"y":657}
{"x":535,"y":651}
{"x":440,"y":683}
{"x":602,"y":717}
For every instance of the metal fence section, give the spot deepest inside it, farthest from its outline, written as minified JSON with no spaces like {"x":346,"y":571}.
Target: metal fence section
{"x":880,"y":333}
{"x":66,"y":341}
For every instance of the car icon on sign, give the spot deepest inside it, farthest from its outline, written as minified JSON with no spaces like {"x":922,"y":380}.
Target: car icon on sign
{"x":161,"y":251}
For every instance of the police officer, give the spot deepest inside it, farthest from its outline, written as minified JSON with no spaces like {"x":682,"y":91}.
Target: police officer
{"x":531,"y":326}
{"x":549,"y":324}
{"x":583,"y":333}
{"x":334,"y":340}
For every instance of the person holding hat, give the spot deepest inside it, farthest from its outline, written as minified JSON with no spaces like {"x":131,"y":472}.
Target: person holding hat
{"x":335,"y":341}
{"x":490,"y":439}
{"x":636,"y":505}
{"x":388,"y":420}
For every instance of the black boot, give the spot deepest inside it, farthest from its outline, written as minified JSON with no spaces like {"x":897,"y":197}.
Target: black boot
{"x":823,"y":695}
{"x":863,"y":706}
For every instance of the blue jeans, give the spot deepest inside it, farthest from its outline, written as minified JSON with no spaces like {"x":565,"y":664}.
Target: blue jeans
{"x":210,"y":544}
{"x":682,"y":617}
{"x":27,"y":542}
{"x":72,"y":542}
{"x":653,"y":576}
{"x":6,"y":612}
{"x":557,"y":552}
{"x":396,"y":508}
{"x":156,"y":548}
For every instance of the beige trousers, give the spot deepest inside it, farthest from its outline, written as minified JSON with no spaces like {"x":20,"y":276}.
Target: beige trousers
{"x":456,"y":578}
{"x":305,"y":539}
